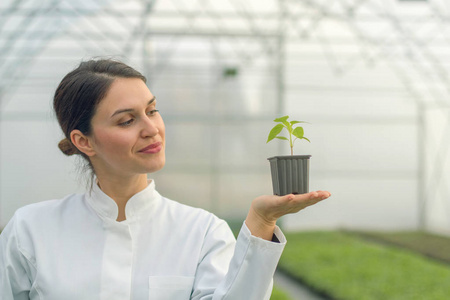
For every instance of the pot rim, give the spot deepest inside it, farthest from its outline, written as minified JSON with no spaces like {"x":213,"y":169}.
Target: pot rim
{"x":290,"y":157}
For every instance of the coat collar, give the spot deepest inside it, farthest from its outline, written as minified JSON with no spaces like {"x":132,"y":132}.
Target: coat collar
{"x":107,"y":208}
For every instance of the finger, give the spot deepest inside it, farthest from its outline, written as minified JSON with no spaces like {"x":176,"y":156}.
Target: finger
{"x":304,"y":202}
{"x":289,"y":197}
{"x":315,"y":195}
{"x":312,"y":197}
{"x":327,"y":193}
{"x":304,"y":199}
{"x":323,"y":194}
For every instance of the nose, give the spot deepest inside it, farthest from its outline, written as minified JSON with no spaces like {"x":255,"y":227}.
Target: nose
{"x":149,"y":127}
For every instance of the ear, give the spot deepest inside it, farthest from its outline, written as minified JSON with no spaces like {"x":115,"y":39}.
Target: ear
{"x":82,"y":142}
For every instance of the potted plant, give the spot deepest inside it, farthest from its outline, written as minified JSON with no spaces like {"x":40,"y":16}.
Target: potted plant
{"x":290,"y":173}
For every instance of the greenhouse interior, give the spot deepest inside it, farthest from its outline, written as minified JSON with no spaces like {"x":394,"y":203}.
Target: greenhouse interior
{"x":370,"y":79}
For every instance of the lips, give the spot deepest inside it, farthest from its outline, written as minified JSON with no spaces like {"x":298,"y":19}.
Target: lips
{"x":153,"y":148}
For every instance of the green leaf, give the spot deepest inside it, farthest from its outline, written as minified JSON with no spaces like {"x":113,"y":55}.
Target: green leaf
{"x":306,"y":139}
{"x":282,"y":119}
{"x":288,"y":126}
{"x":282,"y":138}
{"x":274,"y":132}
{"x":296,"y":122}
{"x":298,"y":132}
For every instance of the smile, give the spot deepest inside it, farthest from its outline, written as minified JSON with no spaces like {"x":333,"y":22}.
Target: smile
{"x":153,"y":148}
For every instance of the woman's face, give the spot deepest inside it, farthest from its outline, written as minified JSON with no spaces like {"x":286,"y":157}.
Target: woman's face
{"x":127,"y":131}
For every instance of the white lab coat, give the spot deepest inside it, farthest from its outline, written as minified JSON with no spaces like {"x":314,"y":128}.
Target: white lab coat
{"x":75,"y":249}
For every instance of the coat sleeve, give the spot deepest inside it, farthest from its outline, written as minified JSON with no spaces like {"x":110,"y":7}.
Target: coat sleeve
{"x":237,"y":270}
{"x":14,"y":266}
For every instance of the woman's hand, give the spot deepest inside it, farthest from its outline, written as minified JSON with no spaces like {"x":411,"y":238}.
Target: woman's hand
{"x":265,"y":210}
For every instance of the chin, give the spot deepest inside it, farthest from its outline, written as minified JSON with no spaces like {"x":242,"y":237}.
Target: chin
{"x":155,"y":167}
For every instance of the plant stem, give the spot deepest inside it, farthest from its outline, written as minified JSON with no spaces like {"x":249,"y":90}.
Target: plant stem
{"x":290,"y":143}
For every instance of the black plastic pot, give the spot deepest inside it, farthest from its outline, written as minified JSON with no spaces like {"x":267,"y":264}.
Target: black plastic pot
{"x":290,"y":174}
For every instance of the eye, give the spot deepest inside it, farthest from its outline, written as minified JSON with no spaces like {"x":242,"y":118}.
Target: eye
{"x":126,"y":123}
{"x":152,"y":112}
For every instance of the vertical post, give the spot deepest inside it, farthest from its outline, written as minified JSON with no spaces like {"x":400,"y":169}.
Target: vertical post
{"x":280,"y":59}
{"x":280,"y":75}
{"x":280,"y":69}
{"x":145,"y":53}
{"x":421,"y":167}
{"x":214,"y":123}
{"x":1,"y":123}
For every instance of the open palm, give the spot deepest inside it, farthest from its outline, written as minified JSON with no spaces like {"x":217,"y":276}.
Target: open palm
{"x":266,"y":210}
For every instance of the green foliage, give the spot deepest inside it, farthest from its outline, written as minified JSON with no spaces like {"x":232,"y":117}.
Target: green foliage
{"x":423,"y":242}
{"x":346,"y":267}
{"x":278,"y":294}
{"x":294,"y":131}
{"x":230,"y":72}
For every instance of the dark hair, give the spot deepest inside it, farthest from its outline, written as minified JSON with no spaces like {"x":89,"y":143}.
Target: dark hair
{"x":79,"y":93}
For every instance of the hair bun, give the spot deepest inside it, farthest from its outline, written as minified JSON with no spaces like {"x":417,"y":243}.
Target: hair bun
{"x":67,"y":147}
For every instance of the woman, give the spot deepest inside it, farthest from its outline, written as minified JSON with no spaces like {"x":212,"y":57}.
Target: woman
{"x":122,"y":239}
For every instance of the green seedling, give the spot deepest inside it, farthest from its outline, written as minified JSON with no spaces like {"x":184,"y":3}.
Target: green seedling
{"x":297,"y":131}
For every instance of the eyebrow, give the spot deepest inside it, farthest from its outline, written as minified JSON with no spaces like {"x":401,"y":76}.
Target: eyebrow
{"x":131,"y":109}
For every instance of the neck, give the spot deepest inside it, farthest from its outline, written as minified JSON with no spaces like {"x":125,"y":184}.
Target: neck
{"x":122,"y":189}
